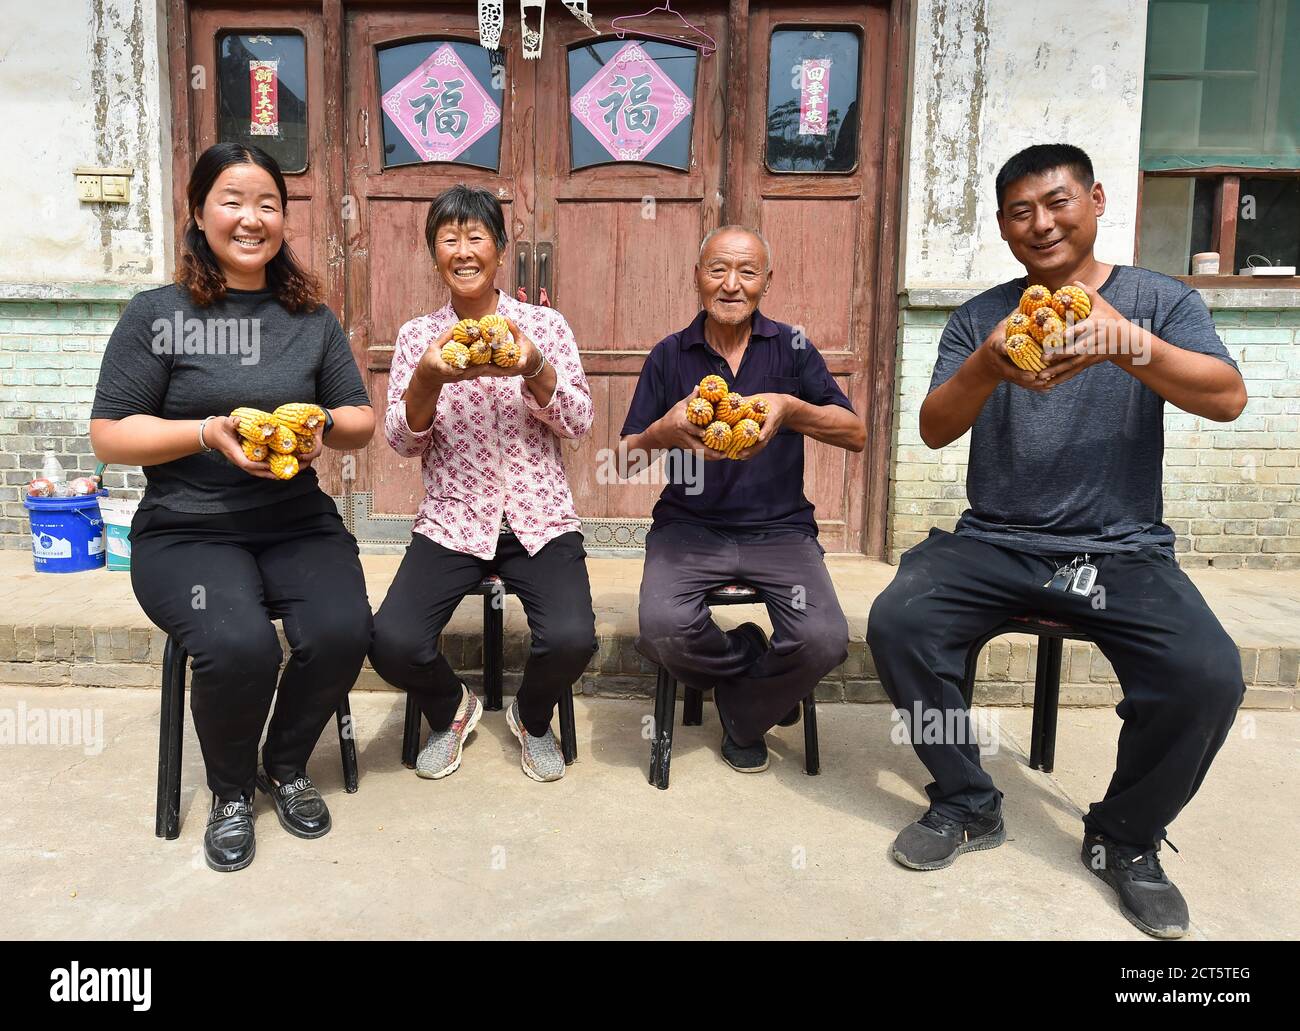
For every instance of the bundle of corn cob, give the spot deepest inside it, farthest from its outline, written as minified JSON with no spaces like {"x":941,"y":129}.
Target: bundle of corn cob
{"x":277,"y":437}
{"x":480,"y":341}
{"x":732,"y":422}
{"x":1039,"y":323}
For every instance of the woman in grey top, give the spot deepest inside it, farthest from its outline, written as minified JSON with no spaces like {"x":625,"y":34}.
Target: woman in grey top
{"x":220,"y":546}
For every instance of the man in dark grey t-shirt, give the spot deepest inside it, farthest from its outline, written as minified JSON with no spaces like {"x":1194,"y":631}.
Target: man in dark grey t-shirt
{"x":1064,"y":482}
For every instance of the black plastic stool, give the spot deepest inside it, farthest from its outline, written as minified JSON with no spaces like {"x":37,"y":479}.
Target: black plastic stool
{"x":1047,"y":679}
{"x":171,"y":736}
{"x":494,"y":646}
{"x":661,"y":745}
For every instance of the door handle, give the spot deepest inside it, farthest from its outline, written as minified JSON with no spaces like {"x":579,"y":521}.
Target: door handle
{"x":523,"y":270}
{"x":545,"y":263}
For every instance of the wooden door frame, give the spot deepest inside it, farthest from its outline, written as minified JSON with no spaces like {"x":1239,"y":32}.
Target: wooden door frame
{"x":880,"y":357}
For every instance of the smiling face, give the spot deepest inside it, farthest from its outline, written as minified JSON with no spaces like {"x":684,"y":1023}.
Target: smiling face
{"x":467,"y":257}
{"x":732,"y":276}
{"x":243,"y":220}
{"x":1049,"y":221}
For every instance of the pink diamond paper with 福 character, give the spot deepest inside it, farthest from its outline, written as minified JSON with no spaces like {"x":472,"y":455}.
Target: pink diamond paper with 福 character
{"x":440,"y":107}
{"x":630,"y":105}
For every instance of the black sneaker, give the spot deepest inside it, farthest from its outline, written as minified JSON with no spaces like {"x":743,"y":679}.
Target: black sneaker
{"x":744,"y":759}
{"x":228,"y":842}
{"x":935,"y":841}
{"x":1148,"y":899}
{"x":298,"y":804}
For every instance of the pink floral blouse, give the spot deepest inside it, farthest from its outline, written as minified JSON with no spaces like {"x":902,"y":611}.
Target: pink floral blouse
{"x":492,"y":447}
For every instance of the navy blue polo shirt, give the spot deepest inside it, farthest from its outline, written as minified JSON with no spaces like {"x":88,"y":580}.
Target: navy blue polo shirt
{"x":765,"y":492}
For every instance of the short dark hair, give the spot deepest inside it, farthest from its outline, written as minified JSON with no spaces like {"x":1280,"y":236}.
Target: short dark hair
{"x":461,"y":204}
{"x":1043,"y":157}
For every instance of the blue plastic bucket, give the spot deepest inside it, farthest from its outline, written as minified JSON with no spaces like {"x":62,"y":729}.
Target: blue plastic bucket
{"x":67,"y":533}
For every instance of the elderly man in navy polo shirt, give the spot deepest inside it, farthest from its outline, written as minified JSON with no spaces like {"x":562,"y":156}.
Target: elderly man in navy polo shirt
{"x":745,"y":520}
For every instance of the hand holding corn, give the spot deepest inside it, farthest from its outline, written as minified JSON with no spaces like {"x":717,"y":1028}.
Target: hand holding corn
{"x":276,"y":444}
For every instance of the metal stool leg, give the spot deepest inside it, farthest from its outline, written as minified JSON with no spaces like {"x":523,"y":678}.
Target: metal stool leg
{"x":493,"y":650}
{"x":692,"y":708}
{"x":1041,"y":677}
{"x":411,"y":732}
{"x":812,"y":759}
{"x":1051,"y":702}
{"x":171,"y":738}
{"x":568,"y":728}
{"x":347,"y":745}
{"x":661,"y":744}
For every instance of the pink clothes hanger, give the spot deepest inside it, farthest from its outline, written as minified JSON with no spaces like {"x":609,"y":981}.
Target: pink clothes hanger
{"x":707,"y":49}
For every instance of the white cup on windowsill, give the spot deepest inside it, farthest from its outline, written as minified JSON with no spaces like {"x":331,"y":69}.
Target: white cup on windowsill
{"x":1206,"y":263}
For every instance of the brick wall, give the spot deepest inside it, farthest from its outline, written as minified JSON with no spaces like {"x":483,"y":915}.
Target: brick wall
{"x":49,"y":359}
{"x":1232,"y":491}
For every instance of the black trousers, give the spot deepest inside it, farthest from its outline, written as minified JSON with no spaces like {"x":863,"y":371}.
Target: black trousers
{"x":215,"y":583}
{"x":431,"y":581}
{"x":810,"y":634}
{"x":1179,"y":670}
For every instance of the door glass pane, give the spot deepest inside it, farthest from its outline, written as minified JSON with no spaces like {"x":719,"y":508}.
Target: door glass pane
{"x":262,"y":95}
{"x":631,"y":100}
{"x":1177,"y":216}
{"x":441,"y":101}
{"x":812,"y":101}
{"x":1268,"y":222}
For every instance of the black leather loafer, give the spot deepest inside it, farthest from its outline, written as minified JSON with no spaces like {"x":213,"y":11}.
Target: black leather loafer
{"x":298,"y":804}
{"x":228,"y":842}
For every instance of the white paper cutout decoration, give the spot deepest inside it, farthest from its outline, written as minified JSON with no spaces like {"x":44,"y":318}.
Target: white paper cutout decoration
{"x":491,"y":19}
{"x":578,"y":8}
{"x":532,"y":38}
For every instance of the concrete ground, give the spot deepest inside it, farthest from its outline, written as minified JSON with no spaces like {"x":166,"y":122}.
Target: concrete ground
{"x":487,"y":853}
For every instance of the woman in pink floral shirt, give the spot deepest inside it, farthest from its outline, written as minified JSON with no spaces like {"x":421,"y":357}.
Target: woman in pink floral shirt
{"x":496,"y":499}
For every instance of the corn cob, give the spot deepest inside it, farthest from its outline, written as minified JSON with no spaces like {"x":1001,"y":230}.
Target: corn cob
{"x":285,"y":467}
{"x":283,"y":441}
{"x":495,"y":329}
{"x":301,"y":418}
{"x":254,"y":424}
{"x":1017,"y":322}
{"x":1045,"y":323}
{"x":744,"y":434}
{"x":306,"y":443}
{"x":1073,"y":301}
{"x":713,"y":388}
{"x":729,"y":409}
{"x":507,"y":355}
{"x":1022,"y":350}
{"x":254,"y":451}
{"x":455,"y":354}
{"x":1034,"y":298}
{"x":466,"y":331}
{"x":717,"y":435}
{"x":480,"y":351}
{"x":756,"y":410}
{"x":699,"y":411}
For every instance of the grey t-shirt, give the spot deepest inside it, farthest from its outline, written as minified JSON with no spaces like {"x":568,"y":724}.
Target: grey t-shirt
{"x":169,"y":358}
{"x":1077,"y":468}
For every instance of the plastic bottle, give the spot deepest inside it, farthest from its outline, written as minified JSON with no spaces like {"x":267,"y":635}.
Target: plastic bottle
{"x":52,"y":470}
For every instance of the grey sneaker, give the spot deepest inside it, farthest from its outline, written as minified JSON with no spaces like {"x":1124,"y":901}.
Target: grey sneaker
{"x":541,"y":757}
{"x":440,"y":757}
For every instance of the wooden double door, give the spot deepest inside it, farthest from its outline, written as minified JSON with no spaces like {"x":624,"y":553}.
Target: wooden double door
{"x":606,"y":201}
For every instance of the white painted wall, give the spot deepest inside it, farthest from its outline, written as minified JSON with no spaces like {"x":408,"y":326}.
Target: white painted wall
{"x":991,"y":77}
{"x":83,"y":82}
